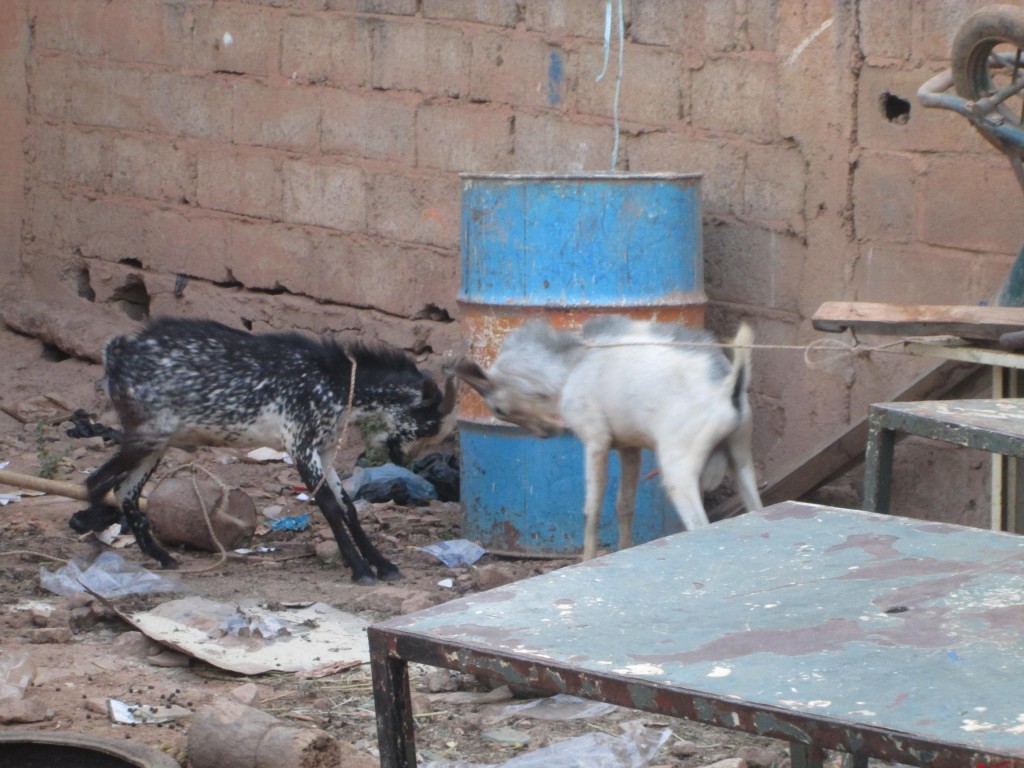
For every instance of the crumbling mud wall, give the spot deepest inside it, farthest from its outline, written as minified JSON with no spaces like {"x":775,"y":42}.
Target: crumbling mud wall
{"x":294,"y":164}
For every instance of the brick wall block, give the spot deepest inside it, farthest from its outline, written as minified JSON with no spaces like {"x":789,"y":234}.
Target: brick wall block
{"x":736,"y":94}
{"x":184,"y":105}
{"x":286,"y":117}
{"x":925,"y":130}
{"x":106,"y":229}
{"x":885,"y":187}
{"x":326,"y":47}
{"x":86,"y":157}
{"x":370,"y":124}
{"x":392,"y":7}
{"x":572,"y":18}
{"x":654,"y":83}
{"x":124,"y":30}
{"x":458,"y":137}
{"x":917,"y":274}
{"x":235,"y":39}
{"x":48,"y":223}
{"x":774,"y":184}
{"x":384,"y":271}
{"x":677,"y":25}
{"x":180,"y":242}
{"x":430,"y":58}
{"x":156,"y":169}
{"x":47,"y":155}
{"x":48,"y":86}
{"x":108,"y":96}
{"x":269,"y":256}
{"x":885,"y":28}
{"x":974,"y":206}
{"x":745,"y":264}
{"x":503,"y":13}
{"x":415,"y":209}
{"x":720,"y":162}
{"x":325,"y":195}
{"x":238,"y":181}
{"x":935,"y":22}
{"x":760,"y":24}
{"x":552,"y":144}
{"x":522,"y":71}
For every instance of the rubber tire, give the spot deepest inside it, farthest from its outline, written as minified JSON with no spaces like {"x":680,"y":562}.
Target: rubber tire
{"x":974,"y":41}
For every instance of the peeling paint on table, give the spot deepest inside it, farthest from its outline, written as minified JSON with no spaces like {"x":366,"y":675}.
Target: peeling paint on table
{"x":879,"y":635}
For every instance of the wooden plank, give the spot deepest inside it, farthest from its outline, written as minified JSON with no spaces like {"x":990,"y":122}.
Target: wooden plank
{"x":839,"y":455}
{"x":982,"y":323}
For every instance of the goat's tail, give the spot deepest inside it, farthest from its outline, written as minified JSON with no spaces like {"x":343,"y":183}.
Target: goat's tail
{"x":741,"y":348}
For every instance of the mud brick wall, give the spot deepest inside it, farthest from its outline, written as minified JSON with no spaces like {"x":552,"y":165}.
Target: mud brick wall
{"x":294,"y":164}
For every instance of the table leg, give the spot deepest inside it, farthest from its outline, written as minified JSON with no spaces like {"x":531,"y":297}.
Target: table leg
{"x":395,"y":735}
{"x":805,"y":755}
{"x":878,"y":461}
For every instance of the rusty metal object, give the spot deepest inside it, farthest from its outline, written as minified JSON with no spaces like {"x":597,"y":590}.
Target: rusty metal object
{"x":831,"y":629}
{"x":31,"y":749}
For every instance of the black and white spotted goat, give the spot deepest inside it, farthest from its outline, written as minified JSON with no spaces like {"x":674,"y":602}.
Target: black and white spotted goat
{"x":184,"y":382}
{"x":629,"y":385}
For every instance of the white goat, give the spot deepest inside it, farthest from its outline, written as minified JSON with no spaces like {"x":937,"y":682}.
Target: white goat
{"x":629,"y":385}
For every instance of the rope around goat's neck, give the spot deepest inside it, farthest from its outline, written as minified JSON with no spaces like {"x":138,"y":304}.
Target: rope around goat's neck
{"x":344,"y":424}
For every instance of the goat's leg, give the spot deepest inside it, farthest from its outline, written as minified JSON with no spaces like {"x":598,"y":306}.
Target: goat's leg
{"x":386,"y":570}
{"x":625,"y":501}
{"x":596,"y":478}
{"x":127,"y":495}
{"x":110,"y":476}
{"x":681,"y":469}
{"x":742,"y":460}
{"x":311,"y":470}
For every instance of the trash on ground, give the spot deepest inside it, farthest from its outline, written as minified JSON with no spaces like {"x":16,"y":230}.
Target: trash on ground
{"x":109,"y":576}
{"x":290,"y":523}
{"x":391,"y":482}
{"x":84,"y":425}
{"x":268,"y":454}
{"x":252,"y":640}
{"x":635,"y":748}
{"x":442,"y":471}
{"x":455,"y":552}
{"x":446,"y":583}
{"x":499,"y":694}
{"x":559,"y":707}
{"x":16,"y":673}
{"x":139,"y":714}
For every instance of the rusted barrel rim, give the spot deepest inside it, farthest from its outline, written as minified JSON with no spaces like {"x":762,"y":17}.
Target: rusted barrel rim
{"x":135,"y":754}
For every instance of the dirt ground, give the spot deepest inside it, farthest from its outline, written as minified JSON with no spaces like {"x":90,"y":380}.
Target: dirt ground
{"x":84,"y":654}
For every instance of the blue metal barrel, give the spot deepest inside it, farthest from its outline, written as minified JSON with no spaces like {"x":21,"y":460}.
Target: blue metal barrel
{"x":565,"y":248}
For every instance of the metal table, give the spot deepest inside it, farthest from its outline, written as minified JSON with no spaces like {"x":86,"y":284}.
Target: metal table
{"x":996,"y":426}
{"x":876,"y":635}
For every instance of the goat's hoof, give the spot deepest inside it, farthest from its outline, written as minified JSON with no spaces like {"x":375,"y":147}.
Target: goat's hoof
{"x":170,"y":564}
{"x":365,"y":580}
{"x":389,"y":574}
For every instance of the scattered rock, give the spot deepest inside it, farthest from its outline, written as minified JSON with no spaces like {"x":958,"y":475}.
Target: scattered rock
{"x":49,"y":635}
{"x":96,"y":704}
{"x":729,"y":762}
{"x":24,"y":711}
{"x":327,"y":551}
{"x":441,"y":680}
{"x":169,"y":659}
{"x":136,"y":644}
{"x":248,"y":694}
{"x":683,"y":748}
{"x":417,"y":602}
{"x":491,"y":576}
{"x":759,"y":757}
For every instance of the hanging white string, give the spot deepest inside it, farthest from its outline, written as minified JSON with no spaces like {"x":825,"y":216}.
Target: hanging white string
{"x":618,"y":76}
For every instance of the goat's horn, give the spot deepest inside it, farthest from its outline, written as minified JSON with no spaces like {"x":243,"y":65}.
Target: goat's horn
{"x":448,"y":402}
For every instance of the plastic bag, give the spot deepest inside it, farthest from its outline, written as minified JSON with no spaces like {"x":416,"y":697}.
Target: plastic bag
{"x":16,"y":672}
{"x":455,"y":552}
{"x":391,"y":482}
{"x":110,"y":575}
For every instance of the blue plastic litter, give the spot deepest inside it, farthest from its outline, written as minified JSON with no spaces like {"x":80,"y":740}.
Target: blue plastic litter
{"x":455,"y":552}
{"x":293,"y":523}
{"x":390,"y":482}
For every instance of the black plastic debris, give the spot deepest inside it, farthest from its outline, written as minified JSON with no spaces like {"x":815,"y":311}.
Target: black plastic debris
{"x":442,"y":471}
{"x":84,"y":425}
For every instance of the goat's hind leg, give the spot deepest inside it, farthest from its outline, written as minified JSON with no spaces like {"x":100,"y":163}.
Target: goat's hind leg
{"x":625,"y":500}
{"x":741,"y":459}
{"x":128,"y":494}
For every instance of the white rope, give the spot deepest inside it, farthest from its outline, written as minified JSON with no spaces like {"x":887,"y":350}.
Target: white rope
{"x":618,"y":76}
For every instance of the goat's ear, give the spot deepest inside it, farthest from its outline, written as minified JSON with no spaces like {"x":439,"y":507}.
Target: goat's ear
{"x":474,"y":375}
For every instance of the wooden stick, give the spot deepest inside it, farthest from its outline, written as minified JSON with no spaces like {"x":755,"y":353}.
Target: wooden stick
{"x":55,"y":487}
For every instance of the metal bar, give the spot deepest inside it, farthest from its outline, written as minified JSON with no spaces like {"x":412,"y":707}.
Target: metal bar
{"x":878,"y":461}
{"x":805,"y":755}
{"x":393,"y":704}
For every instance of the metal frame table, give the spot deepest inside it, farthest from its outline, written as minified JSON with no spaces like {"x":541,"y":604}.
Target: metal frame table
{"x":876,"y":635}
{"x":996,"y":426}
